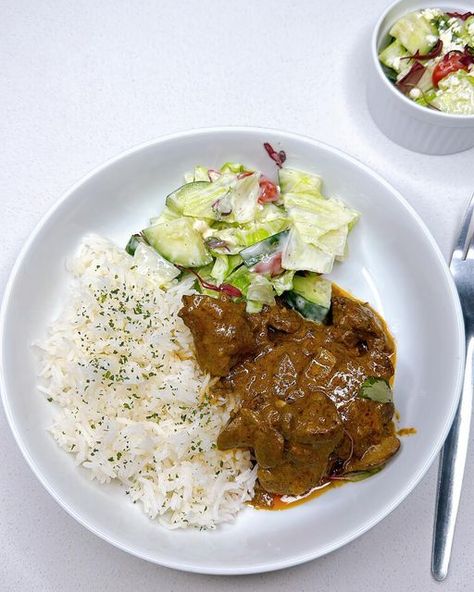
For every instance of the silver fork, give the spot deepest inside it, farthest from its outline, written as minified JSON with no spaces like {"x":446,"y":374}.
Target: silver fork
{"x":453,"y":455}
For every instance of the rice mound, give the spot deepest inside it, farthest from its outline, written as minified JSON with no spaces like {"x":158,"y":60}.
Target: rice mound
{"x":131,"y":401}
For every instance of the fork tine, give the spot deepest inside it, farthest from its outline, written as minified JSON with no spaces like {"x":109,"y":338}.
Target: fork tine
{"x":470,"y":250}
{"x":464,"y":238}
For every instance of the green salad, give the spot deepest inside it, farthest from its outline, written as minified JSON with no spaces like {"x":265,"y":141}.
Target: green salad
{"x":430,"y":58}
{"x":244,"y":235}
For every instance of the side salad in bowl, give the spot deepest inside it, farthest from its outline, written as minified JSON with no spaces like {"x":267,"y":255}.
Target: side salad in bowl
{"x":429,"y":56}
{"x":251,"y":237}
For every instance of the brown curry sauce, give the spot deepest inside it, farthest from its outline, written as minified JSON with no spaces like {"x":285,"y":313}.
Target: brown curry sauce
{"x":297,"y":384}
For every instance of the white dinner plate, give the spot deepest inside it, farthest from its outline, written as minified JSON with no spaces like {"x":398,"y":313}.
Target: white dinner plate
{"x":394,"y":264}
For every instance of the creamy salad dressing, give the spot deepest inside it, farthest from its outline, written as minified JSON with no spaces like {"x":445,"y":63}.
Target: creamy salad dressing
{"x":430,"y":58}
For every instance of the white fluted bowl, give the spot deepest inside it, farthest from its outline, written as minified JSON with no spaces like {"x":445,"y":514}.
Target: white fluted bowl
{"x":401,"y":119}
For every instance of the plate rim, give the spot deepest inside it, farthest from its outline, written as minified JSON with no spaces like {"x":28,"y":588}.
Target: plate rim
{"x":267,"y":566}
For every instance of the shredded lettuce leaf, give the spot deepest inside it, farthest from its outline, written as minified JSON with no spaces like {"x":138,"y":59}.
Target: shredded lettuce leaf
{"x":200,"y":173}
{"x":253,"y":307}
{"x":233,"y":167}
{"x":295,"y":181}
{"x":333,"y":242}
{"x":456,"y":93}
{"x":313,"y":217}
{"x":269,"y":220}
{"x":209,"y":201}
{"x":283,"y":282}
{"x":241,"y":278}
{"x":244,"y":199}
{"x":300,"y":255}
{"x":261,"y":290}
{"x":223,"y":266}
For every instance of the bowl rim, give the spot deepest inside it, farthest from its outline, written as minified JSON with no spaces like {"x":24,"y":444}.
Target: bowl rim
{"x":267,"y":566}
{"x":439,"y":117}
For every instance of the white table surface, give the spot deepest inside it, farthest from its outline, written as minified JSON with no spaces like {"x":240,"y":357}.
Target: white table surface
{"x":81,"y":81}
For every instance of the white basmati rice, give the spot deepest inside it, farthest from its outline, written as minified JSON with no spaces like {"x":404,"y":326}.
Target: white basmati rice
{"x":132,"y":402}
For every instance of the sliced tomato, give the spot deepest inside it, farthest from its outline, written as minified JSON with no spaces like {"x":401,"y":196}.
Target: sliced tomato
{"x":268,"y":191}
{"x":452,"y":62}
{"x":270,"y":266}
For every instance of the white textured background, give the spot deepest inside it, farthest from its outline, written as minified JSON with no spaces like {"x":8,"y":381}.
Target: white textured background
{"x":83,"y":80}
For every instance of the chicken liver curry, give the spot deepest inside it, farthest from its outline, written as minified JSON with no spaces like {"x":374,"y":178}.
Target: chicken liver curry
{"x":298,"y":387}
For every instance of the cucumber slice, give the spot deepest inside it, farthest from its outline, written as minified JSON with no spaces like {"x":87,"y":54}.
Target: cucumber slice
{"x":264,"y":249}
{"x":165,"y":216}
{"x":313,"y":288}
{"x":133,"y":243}
{"x":179,"y":242}
{"x":150,"y":262}
{"x":415,"y":32}
{"x":310,"y":296}
{"x":307,"y":309}
{"x":392,"y":56}
{"x":176,"y":200}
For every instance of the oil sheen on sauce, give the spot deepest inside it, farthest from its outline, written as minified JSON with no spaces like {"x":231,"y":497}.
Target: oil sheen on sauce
{"x":266,"y":501}
{"x":283,"y":502}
